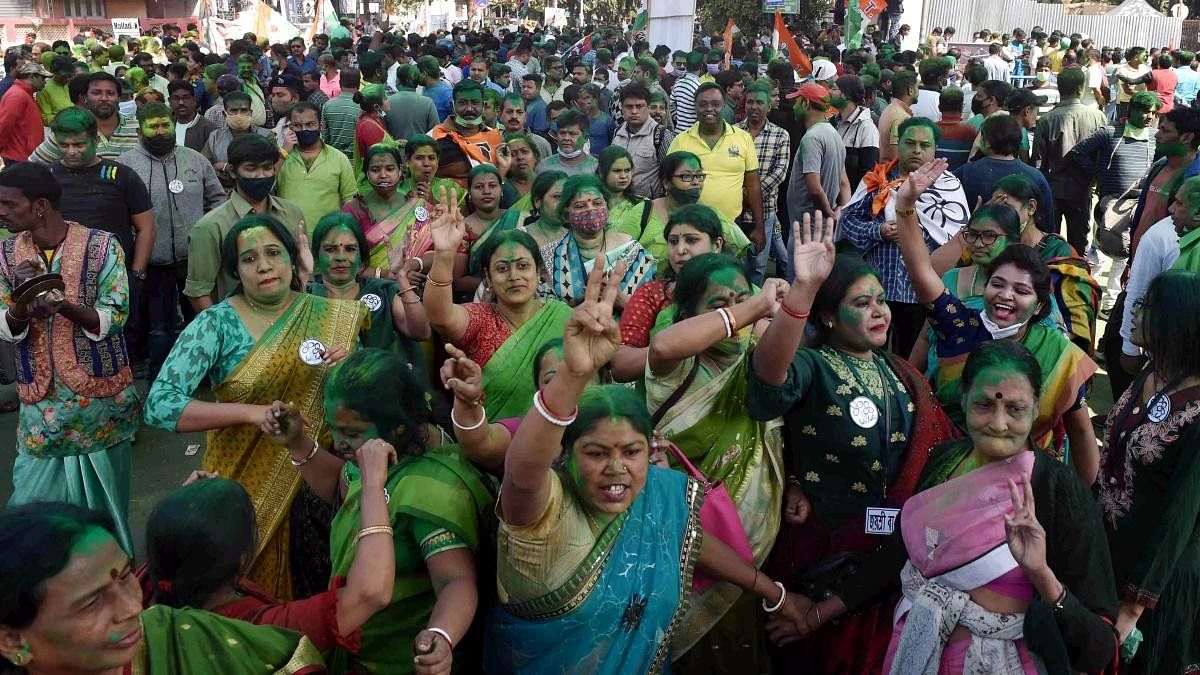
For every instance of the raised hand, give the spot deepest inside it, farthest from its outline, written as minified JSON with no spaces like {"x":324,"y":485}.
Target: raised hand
{"x":503,"y":158}
{"x":283,"y":423}
{"x":812,"y":249}
{"x":396,"y":259}
{"x":449,"y":227}
{"x":592,"y":335}
{"x":919,"y":181}
{"x":304,"y":264}
{"x":462,"y":376}
{"x":373,"y":458}
{"x":1026,"y":536}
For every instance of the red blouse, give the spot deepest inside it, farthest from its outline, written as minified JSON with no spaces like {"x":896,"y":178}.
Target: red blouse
{"x":642,"y":311}
{"x":486,"y":331}
{"x":315,"y":617}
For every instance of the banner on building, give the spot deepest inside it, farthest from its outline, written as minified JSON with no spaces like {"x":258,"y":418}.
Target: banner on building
{"x":126,"y":28}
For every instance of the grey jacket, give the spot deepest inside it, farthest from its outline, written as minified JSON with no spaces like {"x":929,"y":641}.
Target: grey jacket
{"x":175,"y":213}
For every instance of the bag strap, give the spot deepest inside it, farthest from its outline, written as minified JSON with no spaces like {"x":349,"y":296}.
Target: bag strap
{"x":656,"y":138}
{"x":687,"y":463}
{"x":678,"y":393}
{"x":647,"y":209}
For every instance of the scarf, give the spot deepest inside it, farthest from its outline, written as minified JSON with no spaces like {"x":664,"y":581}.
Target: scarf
{"x":942,"y":209}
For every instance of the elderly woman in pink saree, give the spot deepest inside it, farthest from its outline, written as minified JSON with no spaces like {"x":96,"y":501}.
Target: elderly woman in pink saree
{"x":1001,"y":555}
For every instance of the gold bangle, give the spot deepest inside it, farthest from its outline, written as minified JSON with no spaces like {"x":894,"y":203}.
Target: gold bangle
{"x":904,"y":213}
{"x":432,"y":282}
{"x":299,"y":463}
{"x":377,"y":529}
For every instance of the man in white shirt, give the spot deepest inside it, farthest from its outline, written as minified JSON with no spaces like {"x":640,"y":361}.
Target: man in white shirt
{"x":997,"y":67}
{"x":1095,"y":89}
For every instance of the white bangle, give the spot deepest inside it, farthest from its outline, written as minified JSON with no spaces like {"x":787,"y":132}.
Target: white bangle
{"x":778,"y":605}
{"x":420,"y":269}
{"x":481,"y":422}
{"x":557,"y":421}
{"x":728,"y":322}
{"x":439,"y":631}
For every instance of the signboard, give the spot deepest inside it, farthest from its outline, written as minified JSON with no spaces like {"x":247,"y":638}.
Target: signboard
{"x":556,"y":16}
{"x":126,"y":28}
{"x":782,"y":6}
{"x":438,"y":22}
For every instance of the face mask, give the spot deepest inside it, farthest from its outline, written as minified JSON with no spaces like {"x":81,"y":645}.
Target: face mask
{"x":590,"y":221}
{"x":128,"y":108}
{"x":622,"y":82}
{"x":159,"y":146}
{"x":680,"y":72}
{"x":308,"y":137}
{"x":1042,"y":76}
{"x":713,"y":68}
{"x":571,"y":155}
{"x":465,"y":122}
{"x":684,"y":197}
{"x":732,"y":345}
{"x":997,"y":332}
{"x":256,"y":189}
{"x":238,"y":122}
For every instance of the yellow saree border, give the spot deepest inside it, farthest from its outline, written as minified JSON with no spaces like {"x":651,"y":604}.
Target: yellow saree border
{"x":689,"y":554}
{"x":272,"y":370}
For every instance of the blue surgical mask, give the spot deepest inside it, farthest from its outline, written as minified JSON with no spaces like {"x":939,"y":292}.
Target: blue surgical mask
{"x":308,"y":137}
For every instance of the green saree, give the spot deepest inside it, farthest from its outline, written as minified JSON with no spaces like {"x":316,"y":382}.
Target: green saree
{"x":435,"y":501}
{"x":711,"y":426}
{"x":196,"y":642}
{"x":508,"y":375}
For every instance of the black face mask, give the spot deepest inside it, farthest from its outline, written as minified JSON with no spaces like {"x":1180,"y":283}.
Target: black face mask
{"x":159,"y":146}
{"x":685,"y":197}
{"x":257,"y":189}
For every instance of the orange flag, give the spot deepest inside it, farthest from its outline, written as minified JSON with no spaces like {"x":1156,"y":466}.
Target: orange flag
{"x":799,"y":59}
{"x":728,"y":42}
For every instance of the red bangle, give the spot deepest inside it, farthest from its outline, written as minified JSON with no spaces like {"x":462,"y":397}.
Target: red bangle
{"x":793,"y":313}
{"x":552,"y":413}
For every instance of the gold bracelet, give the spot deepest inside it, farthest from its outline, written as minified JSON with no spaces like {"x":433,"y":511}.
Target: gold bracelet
{"x":432,"y":282}
{"x":904,"y":213}
{"x":306,"y":460}
{"x":377,"y":529}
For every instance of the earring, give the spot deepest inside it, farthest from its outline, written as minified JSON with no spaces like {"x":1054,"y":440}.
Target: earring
{"x":829,"y":324}
{"x":22,"y":656}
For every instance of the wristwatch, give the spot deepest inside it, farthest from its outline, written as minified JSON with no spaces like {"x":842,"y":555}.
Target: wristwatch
{"x":140,"y":275}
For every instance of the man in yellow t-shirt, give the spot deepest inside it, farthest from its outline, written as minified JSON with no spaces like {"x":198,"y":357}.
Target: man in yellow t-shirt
{"x":728,"y":157}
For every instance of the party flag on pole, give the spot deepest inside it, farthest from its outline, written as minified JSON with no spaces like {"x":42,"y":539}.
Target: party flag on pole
{"x":800,"y":61}
{"x":730,"y":29}
{"x":861,"y":12}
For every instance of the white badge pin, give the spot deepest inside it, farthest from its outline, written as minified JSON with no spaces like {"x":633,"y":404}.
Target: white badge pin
{"x":175,"y":186}
{"x":421,"y":213}
{"x":312,"y":352}
{"x":864,"y":412}
{"x":372,"y":301}
{"x":1160,"y":408}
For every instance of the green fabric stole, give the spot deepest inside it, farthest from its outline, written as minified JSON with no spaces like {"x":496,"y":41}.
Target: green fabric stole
{"x":508,"y":375}
{"x":197,"y":642}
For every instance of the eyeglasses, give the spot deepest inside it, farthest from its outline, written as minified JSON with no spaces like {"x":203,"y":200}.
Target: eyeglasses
{"x":987,"y":237}
{"x":691,"y":177}
{"x":304,"y":126}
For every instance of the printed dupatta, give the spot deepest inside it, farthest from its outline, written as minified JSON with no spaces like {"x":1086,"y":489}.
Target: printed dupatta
{"x":273,"y":371}
{"x":568,"y":271}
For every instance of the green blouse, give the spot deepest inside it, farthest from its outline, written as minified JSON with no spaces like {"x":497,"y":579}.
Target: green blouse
{"x":836,"y":445}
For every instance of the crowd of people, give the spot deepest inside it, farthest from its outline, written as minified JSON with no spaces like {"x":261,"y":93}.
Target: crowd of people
{"x":556,"y":351}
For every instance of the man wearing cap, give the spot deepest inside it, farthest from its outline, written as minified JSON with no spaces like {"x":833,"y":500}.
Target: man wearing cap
{"x":21,"y":128}
{"x":284,"y":91}
{"x":729,"y":158}
{"x":818,"y":180}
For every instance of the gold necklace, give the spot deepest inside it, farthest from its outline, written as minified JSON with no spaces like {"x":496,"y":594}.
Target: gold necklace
{"x":264,"y":311}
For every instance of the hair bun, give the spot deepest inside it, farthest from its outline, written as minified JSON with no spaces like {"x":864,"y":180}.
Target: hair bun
{"x":358,"y":97}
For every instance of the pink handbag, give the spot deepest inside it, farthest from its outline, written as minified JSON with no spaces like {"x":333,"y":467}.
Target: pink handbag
{"x":718,"y":517}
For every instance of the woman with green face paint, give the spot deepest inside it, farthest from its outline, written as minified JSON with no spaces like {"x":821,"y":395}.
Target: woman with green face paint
{"x":434,"y":502}
{"x":398,"y":320}
{"x":589,"y":239}
{"x":267,"y":341}
{"x":1016,"y":298}
{"x":1149,"y":479}
{"x":1076,"y":293}
{"x":627,"y":212}
{"x":369,"y":130}
{"x":859,"y":422}
{"x":597,"y":547}
{"x":546,"y":192}
{"x":683,"y":178}
{"x":700,"y":363}
{"x":72,"y":604}
{"x":484,"y":189}
{"x":501,"y":335}
{"x":692,"y":231}
{"x":1017,"y":538}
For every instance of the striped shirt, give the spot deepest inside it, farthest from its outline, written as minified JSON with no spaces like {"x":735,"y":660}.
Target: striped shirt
{"x":683,"y":99}
{"x":341,"y":119}
{"x":956,"y":140}
{"x":123,"y":139}
{"x":1117,"y":161}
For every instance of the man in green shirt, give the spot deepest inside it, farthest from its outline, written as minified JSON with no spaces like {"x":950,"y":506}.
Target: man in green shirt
{"x":55,"y":96}
{"x":252,"y":160}
{"x":315,"y":176}
{"x":1187,"y":223}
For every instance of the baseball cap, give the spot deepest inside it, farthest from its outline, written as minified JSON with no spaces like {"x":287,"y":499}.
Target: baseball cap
{"x":229,"y":83}
{"x":33,"y":69}
{"x":812,"y":92}
{"x":1023,"y":98}
{"x":823,"y":70}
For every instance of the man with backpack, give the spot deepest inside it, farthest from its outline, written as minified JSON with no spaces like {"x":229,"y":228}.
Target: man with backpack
{"x":646,"y":140}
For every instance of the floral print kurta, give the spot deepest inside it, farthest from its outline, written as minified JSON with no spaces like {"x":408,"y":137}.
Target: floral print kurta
{"x":65,"y":423}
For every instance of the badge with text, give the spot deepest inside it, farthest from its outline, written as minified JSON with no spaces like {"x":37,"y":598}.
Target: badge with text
{"x":881,"y":520}
{"x":312,"y":352}
{"x":372,"y":301}
{"x":175,"y":186}
{"x":864,"y":412}
{"x":421,"y":214}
